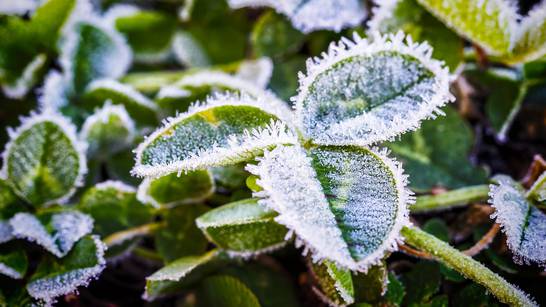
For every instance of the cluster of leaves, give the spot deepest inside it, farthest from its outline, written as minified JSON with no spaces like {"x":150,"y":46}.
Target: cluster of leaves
{"x":234,"y":175}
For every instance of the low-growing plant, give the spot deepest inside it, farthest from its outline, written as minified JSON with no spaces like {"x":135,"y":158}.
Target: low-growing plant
{"x":243,"y":197}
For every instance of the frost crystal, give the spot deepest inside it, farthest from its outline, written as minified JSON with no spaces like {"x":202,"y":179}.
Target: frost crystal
{"x":363,"y":92}
{"x":67,"y":229}
{"x":308,"y":16}
{"x":523,"y":223}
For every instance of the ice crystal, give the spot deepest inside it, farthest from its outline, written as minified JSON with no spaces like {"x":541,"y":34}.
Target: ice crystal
{"x":362,"y":92}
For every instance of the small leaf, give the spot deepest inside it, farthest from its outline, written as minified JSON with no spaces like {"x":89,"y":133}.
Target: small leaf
{"x":180,"y":273}
{"x":538,"y":190}
{"x":180,"y":237}
{"x":13,"y":263}
{"x":421,"y":283}
{"x":243,"y":228}
{"x":108,"y":130}
{"x":56,"y":277}
{"x":308,"y":16}
{"x":523,"y":224}
{"x":395,"y":291}
{"x":56,"y":231}
{"x":173,"y":189}
{"x":346,"y":204}
{"x":141,"y":109}
{"x":227,"y":130}
{"x":364,"y":92}
{"x":274,"y":36}
{"x":225,"y":291}
{"x":335,"y":283}
{"x":437,"y":154}
{"x":44,"y":162}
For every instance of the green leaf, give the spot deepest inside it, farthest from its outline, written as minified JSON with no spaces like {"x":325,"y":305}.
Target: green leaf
{"x":489,"y":23}
{"x":188,"y":51}
{"x":372,"y":285}
{"x":227,"y":130}
{"x":438,"y":228}
{"x":243,"y":228}
{"x":363,"y":92}
{"x":421,"y":283}
{"x":56,"y":277}
{"x":56,"y":231}
{"x":274,"y":36}
{"x":284,"y":81}
{"x":10,"y":204}
{"x":180,"y":236}
{"x":537,"y":191}
{"x":173,"y":189}
{"x":474,"y":295}
{"x":139,"y":107}
{"x":44,"y":162}
{"x":108,"y":130}
{"x":521,"y":222}
{"x":182,"y":273}
{"x":231,"y":176}
{"x":395,"y":291}
{"x":336,"y":283}
{"x":225,"y":291}
{"x":530,"y":39}
{"x":13,"y":262}
{"x":437,"y":154}
{"x":346,"y":204}
{"x":410,"y":17}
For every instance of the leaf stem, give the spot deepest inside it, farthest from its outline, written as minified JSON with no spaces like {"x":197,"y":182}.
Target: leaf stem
{"x":470,"y":268}
{"x":450,"y":199}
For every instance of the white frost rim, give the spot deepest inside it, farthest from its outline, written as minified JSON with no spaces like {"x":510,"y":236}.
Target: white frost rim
{"x":122,"y":89}
{"x":102,"y":115}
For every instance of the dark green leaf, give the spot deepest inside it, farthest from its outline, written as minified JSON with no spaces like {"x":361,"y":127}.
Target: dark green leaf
{"x":421,"y":283}
{"x":273,"y":36}
{"x":225,"y":291}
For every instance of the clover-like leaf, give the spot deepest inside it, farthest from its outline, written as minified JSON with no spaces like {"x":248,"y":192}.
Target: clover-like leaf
{"x":141,"y":109}
{"x":243,"y":228}
{"x":44,"y":162}
{"x":227,"y":291}
{"x":56,"y":231}
{"x":346,"y":204}
{"x":13,"y":262}
{"x":336,"y":284}
{"x":308,"y":16}
{"x":182,"y":272}
{"x":226,"y":130}
{"x":56,"y":277}
{"x":523,"y":224}
{"x":109,"y":130}
{"x":364,"y":92}
{"x":174,"y":189}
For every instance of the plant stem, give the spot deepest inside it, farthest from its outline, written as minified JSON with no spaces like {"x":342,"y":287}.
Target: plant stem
{"x":450,"y":199}
{"x":467,"y":266}
{"x":121,"y":236}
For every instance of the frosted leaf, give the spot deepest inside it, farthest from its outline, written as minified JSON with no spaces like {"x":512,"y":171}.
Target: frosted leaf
{"x":20,"y":87}
{"x":181,"y":272}
{"x":346,"y":204}
{"x":108,"y":130}
{"x":6,"y":232}
{"x":365,"y":92}
{"x":336,"y":283}
{"x":308,"y":16}
{"x":13,"y":263}
{"x":538,"y":190}
{"x":529,"y":41}
{"x":44,"y":161}
{"x":174,"y":189}
{"x":55,"y":92}
{"x":523,"y":224}
{"x":18,"y":7}
{"x":188,"y":51}
{"x":56,"y":232}
{"x":57,"y":277}
{"x":243,"y":228}
{"x":226,"y":130}
{"x":257,"y":71}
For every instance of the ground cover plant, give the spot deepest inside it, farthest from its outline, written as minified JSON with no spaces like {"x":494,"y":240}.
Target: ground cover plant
{"x":272,"y":153}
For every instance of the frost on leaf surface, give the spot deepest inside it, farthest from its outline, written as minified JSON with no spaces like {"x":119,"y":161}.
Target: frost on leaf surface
{"x":346,"y":204}
{"x":44,"y":161}
{"x":57,"y":232}
{"x":336,"y":283}
{"x":523,"y":224}
{"x":530,"y":38}
{"x":362,"y":92}
{"x":226,"y":130}
{"x":57,"y":277}
{"x":308,"y":16}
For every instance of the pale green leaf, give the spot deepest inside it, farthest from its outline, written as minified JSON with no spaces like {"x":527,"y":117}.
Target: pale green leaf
{"x":530,"y":39}
{"x":345,"y":204}
{"x":226,"y":130}
{"x":538,"y":190}
{"x":188,"y":51}
{"x":363,"y":92}
{"x":225,"y":291}
{"x":243,"y":228}
{"x":44,"y":162}
{"x":13,"y":262}
{"x":336,"y":284}
{"x":173,"y":189}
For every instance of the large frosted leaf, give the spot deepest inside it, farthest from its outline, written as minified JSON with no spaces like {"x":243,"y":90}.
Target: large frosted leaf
{"x":244,"y":228}
{"x":312,"y":15}
{"x":108,"y":130}
{"x":13,"y":262}
{"x":489,"y":23}
{"x":57,"y":232}
{"x":346,"y":204}
{"x":44,"y":162}
{"x":226,"y":130}
{"x":171,"y":190}
{"x":364,"y":92}
{"x":56,"y":277}
{"x":523,"y":224}
{"x":180,"y":273}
